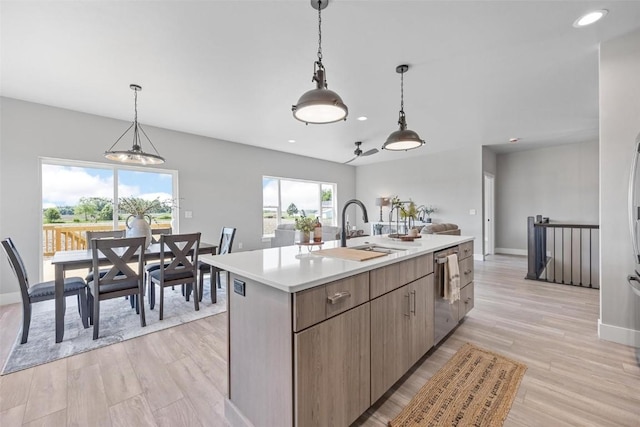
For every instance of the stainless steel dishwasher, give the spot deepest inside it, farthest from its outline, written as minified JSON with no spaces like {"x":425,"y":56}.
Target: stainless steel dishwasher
{"x":446,"y":315}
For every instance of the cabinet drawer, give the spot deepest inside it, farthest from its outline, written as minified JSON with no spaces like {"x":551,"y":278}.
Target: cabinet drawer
{"x":345,"y":294}
{"x":386,"y":279}
{"x":322,"y":302}
{"x":466,"y":300}
{"x":415,"y":268}
{"x":466,"y":271}
{"x":465,"y":250}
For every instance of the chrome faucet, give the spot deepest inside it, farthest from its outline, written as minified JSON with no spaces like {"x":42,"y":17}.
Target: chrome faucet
{"x":365,"y":218}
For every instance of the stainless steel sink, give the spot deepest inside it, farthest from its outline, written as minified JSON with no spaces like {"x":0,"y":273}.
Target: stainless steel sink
{"x":371,"y":247}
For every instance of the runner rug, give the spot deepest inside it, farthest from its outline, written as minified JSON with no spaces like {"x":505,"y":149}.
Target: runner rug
{"x":475,"y":388}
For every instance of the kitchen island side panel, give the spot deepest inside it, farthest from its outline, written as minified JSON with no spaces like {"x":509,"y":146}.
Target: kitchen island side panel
{"x":261,"y":353}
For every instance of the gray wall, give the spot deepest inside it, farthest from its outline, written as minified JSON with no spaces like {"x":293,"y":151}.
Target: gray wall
{"x":559,"y":182}
{"x":451,"y":181}
{"x":619,"y":126}
{"x":219,"y":181}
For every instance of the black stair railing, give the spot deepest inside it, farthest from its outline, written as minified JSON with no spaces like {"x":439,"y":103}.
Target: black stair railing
{"x":563,"y":253}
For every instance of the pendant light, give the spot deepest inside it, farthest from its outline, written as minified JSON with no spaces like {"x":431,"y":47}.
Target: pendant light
{"x":135,"y":154}
{"x":320,"y":105}
{"x":403,"y":139}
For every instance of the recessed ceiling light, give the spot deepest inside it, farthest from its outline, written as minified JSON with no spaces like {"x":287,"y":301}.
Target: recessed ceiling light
{"x":590,"y":18}
{"x":291,"y":141}
{"x":362,"y":118}
{"x":513,"y":140}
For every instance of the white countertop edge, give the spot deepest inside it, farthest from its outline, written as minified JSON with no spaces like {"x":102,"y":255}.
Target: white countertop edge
{"x":224,"y":262}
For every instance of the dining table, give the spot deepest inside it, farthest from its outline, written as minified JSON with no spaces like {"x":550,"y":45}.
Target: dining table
{"x":81,"y":259}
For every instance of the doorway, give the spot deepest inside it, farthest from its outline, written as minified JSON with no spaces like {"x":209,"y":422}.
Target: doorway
{"x":489,"y":208}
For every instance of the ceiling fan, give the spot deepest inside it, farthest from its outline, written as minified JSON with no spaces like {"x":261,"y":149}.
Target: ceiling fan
{"x":358,"y":152}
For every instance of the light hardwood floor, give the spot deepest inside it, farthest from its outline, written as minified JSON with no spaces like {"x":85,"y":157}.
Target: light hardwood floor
{"x":177,"y":377}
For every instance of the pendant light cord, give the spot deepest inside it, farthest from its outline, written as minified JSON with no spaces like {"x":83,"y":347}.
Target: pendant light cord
{"x":135,"y":106}
{"x":320,"y":31}
{"x":402,"y":92}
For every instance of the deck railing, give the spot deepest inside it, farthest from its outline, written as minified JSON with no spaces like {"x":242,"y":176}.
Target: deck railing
{"x":68,"y":237}
{"x":563,"y":253}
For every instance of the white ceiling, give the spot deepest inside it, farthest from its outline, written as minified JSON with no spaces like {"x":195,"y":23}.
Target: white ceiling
{"x":481,"y":71}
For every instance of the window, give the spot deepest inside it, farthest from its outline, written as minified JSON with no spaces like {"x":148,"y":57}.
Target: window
{"x":80,"y":196}
{"x":283,"y":199}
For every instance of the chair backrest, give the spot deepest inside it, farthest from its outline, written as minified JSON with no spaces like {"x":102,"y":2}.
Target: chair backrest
{"x":17,"y":265}
{"x":226,"y":240}
{"x":156,"y":232}
{"x":114,"y":234}
{"x":120,"y":253}
{"x":182,"y":249}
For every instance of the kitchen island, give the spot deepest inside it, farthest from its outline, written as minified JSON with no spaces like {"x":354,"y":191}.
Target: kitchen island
{"x":316,"y":340}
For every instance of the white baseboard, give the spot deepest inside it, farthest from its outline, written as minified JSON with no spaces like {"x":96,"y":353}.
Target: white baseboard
{"x":510,"y":251}
{"x":617,"y":334}
{"x":10,"y":298}
{"x":478,"y":257}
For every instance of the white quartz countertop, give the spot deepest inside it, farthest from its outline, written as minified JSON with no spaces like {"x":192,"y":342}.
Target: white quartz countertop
{"x":292,"y":268}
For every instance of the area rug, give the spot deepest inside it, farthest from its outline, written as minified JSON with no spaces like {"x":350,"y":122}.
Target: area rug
{"x":118,"y":322}
{"x":475,"y":388}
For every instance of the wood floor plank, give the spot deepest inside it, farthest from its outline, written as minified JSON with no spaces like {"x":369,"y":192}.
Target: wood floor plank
{"x":57,"y":419}
{"x":14,"y":389}
{"x":156,"y":382}
{"x":120,"y":381}
{"x":133,"y":412}
{"x":12,"y":417}
{"x":87,"y":402}
{"x":178,"y":414}
{"x":203,"y":395}
{"x":48,"y":390}
{"x":10,"y":319}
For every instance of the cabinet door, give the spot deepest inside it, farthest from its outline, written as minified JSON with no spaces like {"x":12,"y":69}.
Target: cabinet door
{"x":466,"y":300}
{"x":422,"y":317}
{"x":332,"y":370}
{"x":390,"y":339}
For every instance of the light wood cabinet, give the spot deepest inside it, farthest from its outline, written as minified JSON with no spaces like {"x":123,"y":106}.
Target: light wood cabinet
{"x":401,"y":332}
{"x":332,"y":365}
{"x":466,"y":271}
{"x":386,"y":279}
{"x":322,"y":356}
{"x":322,"y":302}
{"x":465,"y":263}
{"x":466,"y":301}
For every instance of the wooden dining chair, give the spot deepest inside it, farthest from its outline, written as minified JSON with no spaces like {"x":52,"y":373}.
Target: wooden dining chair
{"x":226,"y":244}
{"x":179,"y":265}
{"x":157,"y":232}
{"x":120,"y":280}
{"x":110,"y":234}
{"x":153,"y":266}
{"x":42,"y":291}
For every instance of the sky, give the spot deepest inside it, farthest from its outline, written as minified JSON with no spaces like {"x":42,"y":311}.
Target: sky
{"x":65,"y":185}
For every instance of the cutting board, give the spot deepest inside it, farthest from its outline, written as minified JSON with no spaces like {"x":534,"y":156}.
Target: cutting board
{"x":350,"y":254}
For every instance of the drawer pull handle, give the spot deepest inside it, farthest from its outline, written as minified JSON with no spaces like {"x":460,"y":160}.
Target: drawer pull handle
{"x":338,"y":296}
{"x":468,"y":272}
{"x":414,"y":302}
{"x":408,"y":297}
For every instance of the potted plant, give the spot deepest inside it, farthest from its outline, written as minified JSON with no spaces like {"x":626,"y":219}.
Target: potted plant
{"x":139,"y":210}
{"x":428,"y":210}
{"x":410,"y":214}
{"x":305,"y":225}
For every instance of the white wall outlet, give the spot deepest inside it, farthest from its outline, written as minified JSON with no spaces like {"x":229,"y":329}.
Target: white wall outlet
{"x":188,"y":214}
{"x":240,"y":245}
{"x":472,"y":211}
